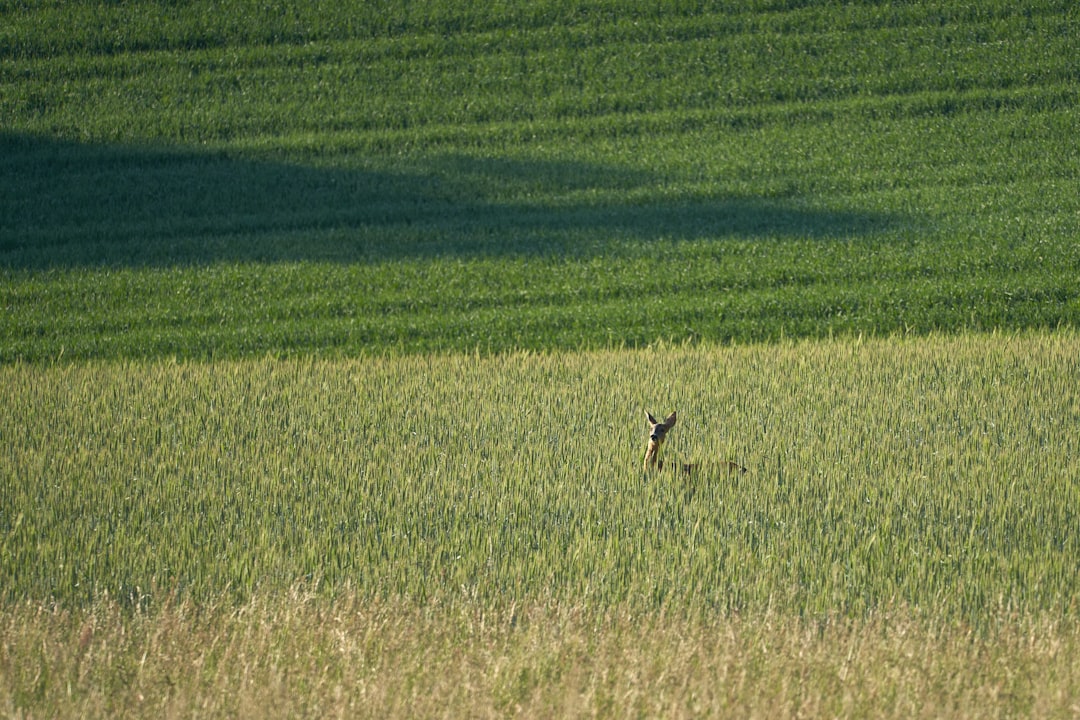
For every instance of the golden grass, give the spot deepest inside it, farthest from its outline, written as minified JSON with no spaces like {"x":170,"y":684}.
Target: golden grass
{"x":299,"y":655}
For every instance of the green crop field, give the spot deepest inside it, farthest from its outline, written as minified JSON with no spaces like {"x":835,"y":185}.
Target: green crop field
{"x":939,"y":474}
{"x":327,"y":332}
{"x":280,"y":526}
{"x":223,"y":181}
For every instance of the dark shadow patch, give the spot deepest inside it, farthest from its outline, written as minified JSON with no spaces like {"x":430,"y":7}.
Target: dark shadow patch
{"x":66,"y":204}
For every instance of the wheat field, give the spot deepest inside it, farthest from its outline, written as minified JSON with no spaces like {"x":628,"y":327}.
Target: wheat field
{"x":938,"y":473}
{"x":448,"y":535}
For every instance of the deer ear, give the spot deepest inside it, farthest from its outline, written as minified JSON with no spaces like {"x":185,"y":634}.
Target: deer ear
{"x":652,"y":420}
{"x":670,"y":421}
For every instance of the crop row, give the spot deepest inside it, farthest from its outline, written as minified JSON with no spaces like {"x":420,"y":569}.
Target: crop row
{"x":519,"y":74}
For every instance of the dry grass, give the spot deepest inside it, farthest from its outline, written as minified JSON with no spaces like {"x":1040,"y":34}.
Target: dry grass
{"x":301,"y":655}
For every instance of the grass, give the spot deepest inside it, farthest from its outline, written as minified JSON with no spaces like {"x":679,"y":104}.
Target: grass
{"x":325,"y":336}
{"x":297,"y":656}
{"x":473,"y":535}
{"x":226,"y":184}
{"x":937,"y":474}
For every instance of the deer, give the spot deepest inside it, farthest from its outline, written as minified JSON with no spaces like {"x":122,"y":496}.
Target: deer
{"x":658,"y":431}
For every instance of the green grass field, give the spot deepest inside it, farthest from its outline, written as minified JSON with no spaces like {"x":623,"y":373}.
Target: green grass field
{"x":326,"y":335}
{"x":225,"y":184}
{"x":937,"y":474}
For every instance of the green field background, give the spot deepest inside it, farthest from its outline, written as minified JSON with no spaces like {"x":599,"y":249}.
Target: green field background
{"x":222,"y":180}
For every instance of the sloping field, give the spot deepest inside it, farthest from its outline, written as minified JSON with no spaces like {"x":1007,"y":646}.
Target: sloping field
{"x":220,"y":181}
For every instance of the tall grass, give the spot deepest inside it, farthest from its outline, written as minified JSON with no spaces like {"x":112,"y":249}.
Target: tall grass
{"x":226,"y":70}
{"x":940,"y":475}
{"x":298,"y":655}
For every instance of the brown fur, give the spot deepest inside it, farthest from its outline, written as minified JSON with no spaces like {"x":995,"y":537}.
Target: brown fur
{"x":657,"y":434}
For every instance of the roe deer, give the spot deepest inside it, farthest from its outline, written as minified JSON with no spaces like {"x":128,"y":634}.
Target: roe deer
{"x":658,"y":433}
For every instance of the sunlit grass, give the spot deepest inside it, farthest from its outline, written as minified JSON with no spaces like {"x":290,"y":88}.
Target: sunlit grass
{"x":940,"y":474}
{"x":297,"y":655}
{"x":326,"y":334}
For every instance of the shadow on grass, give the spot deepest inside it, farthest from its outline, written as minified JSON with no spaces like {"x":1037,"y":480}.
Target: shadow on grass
{"x":65,"y":204}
